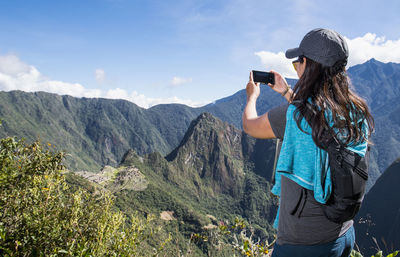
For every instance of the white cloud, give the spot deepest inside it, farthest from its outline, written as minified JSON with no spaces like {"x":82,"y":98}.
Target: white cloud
{"x":371,"y":46}
{"x":177,"y":81}
{"x":277,"y":62}
{"x":100,"y":75}
{"x":147,"y":102}
{"x":361,"y":49}
{"x":10,"y":64}
{"x":16,"y":75}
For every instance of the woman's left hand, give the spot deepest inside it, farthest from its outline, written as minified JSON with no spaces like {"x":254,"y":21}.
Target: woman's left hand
{"x":252,"y":89}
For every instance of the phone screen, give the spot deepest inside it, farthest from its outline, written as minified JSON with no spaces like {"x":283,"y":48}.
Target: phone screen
{"x":263,"y":77}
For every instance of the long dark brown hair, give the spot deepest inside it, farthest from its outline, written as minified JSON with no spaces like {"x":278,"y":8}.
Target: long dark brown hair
{"x":329,"y":89}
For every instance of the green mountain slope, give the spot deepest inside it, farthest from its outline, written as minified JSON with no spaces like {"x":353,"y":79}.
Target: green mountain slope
{"x":211,"y":166}
{"x":211,"y":172}
{"x":94,"y":132}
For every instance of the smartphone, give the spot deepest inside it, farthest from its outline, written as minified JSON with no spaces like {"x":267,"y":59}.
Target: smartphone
{"x":263,"y":77}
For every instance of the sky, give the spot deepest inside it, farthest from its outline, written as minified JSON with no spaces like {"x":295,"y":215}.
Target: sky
{"x":175,"y":51}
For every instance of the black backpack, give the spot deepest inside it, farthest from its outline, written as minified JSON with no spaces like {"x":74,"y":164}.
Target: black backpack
{"x":349,"y":175}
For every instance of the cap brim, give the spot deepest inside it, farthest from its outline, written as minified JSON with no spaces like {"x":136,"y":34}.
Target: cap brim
{"x":292,"y":53}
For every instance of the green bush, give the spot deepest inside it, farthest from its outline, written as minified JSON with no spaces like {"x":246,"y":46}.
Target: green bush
{"x":40,"y":215}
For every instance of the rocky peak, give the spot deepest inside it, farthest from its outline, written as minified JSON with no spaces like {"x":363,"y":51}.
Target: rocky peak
{"x":210,"y":154}
{"x":130,"y":157}
{"x":208,"y":131}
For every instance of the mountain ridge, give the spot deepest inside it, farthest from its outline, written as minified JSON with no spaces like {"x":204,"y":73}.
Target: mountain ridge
{"x":97,"y":132}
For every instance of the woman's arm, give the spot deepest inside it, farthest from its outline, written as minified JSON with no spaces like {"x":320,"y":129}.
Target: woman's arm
{"x":254,"y":125}
{"x":259,"y":126}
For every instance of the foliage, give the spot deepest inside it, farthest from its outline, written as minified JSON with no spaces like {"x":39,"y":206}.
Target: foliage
{"x":42,"y":216}
{"x":237,"y":238}
{"x":354,"y":253}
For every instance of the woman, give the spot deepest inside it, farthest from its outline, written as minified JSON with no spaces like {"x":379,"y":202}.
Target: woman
{"x":302,"y":179}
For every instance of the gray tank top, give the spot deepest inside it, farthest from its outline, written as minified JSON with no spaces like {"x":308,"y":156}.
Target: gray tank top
{"x":301,"y":218}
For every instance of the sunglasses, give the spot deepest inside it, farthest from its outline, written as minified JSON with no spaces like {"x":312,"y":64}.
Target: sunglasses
{"x":299,"y":60}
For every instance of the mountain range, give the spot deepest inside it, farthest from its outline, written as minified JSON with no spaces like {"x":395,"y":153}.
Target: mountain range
{"x":98,"y":132}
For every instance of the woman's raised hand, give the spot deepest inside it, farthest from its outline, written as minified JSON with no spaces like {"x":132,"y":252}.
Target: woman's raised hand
{"x":252,"y":89}
{"x":280,"y":85}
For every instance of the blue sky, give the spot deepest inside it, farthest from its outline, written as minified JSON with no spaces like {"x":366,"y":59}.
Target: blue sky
{"x":192,"y":52}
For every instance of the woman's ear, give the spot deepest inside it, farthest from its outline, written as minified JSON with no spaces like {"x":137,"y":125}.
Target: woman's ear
{"x":304,"y":60}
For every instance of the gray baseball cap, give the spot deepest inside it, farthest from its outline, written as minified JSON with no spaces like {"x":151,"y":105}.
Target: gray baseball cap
{"x":324,"y":46}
